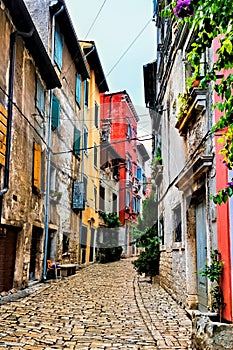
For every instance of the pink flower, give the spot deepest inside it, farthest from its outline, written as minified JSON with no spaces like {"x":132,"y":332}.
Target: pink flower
{"x":183,"y":8}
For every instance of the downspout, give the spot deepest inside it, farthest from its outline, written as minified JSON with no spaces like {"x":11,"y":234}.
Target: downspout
{"x":10,"y":112}
{"x":47,"y":199}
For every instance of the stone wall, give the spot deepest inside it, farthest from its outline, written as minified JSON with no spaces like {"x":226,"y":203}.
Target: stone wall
{"x":209,"y":335}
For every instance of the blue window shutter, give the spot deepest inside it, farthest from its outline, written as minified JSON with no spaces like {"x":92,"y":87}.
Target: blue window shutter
{"x":58,"y":48}
{"x":77,"y":136}
{"x":78,"y":90}
{"x":55,"y":113}
{"x":139,"y":173}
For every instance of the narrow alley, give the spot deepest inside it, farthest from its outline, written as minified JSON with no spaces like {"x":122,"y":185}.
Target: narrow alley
{"x":104,"y":306}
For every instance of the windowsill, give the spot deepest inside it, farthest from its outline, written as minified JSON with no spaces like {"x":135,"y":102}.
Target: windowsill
{"x":178,"y":246}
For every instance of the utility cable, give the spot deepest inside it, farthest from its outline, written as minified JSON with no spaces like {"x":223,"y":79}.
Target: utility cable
{"x":93,"y":23}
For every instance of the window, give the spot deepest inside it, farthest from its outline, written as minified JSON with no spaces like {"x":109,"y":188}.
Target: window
{"x":65,"y":243}
{"x":76,"y":146}
{"x":139,"y":173}
{"x":134,"y":204}
{"x":55,"y":112}
{"x":129,"y":131}
{"x":102,"y":198}
{"x":58,"y":48}
{"x":161,"y":230}
{"x":177,"y":224}
{"x":114,"y":203}
{"x":96,"y":115}
{"x":86,"y":93}
{"x":95,"y":156}
{"x":127,"y":201}
{"x":78,"y":89}
{"x":37,"y":150}
{"x":95,"y":199}
{"x":85,"y":140}
{"x":138,"y":205}
{"x":40,"y":96}
{"x":85,"y":188}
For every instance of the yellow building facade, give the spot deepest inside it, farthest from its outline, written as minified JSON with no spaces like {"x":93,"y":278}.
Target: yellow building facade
{"x":92,"y":88}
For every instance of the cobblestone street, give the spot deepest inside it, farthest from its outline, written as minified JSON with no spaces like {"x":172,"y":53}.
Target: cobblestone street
{"x":101,"y":307}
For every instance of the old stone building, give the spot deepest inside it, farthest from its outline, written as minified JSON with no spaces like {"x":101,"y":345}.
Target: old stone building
{"x":183,"y":165}
{"x":26,"y":78}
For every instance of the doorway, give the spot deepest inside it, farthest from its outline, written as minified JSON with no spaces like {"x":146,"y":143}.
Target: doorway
{"x":35,"y":253}
{"x":201,"y":249}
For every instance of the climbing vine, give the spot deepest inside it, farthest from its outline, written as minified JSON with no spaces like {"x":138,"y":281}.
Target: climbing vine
{"x":212,"y":19}
{"x":213,"y":272}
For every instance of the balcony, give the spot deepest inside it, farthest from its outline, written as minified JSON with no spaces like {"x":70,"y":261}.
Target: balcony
{"x":191,"y":105}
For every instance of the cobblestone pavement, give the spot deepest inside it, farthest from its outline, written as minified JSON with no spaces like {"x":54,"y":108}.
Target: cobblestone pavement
{"x":101,"y":307}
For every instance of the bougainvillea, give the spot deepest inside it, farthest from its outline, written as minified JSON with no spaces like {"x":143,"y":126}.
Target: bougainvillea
{"x":209,"y":20}
{"x":183,"y":8}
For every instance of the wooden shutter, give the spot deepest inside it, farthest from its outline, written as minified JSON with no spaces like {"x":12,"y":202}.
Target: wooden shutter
{"x":55,"y":113}
{"x":78,"y":90}
{"x":37,"y":165}
{"x":77,"y":137}
{"x":58,"y":48}
{"x":3,"y":133}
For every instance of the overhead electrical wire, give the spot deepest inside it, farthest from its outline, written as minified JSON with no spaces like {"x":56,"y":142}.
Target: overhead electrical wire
{"x":95,"y":19}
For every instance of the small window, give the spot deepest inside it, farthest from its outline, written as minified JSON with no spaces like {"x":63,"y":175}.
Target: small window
{"x":55,"y":113}
{"x":58,"y":48}
{"x":65,"y":243}
{"x":95,"y":156}
{"x":37,"y":151}
{"x":129,"y":132}
{"x":96,"y":115}
{"x":177,"y":224}
{"x":78,"y":89}
{"x":85,"y":140}
{"x":76,"y":146}
{"x":134,"y":204}
{"x":161,"y":230}
{"x":85,"y":188}
{"x":139,"y":173}
{"x":127,"y":201}
{"x":86,"y":93}
{"x":95,"y":199}
{"x":102,"y":198}
{"x":114,"y":203}
{"x":40,"y":96}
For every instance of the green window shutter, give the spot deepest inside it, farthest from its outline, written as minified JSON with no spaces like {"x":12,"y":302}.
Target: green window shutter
{"x":78,"y":90}
{"x":55,"y":113}
{"x":40,"y":96}
{"x":58,"y":48}
{"x":77,"y":138}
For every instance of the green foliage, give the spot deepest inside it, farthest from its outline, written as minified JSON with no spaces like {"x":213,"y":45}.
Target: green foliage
{"x":148,"y":260}
{"x":214,"y":270}
{"x":111,"y":219}
{"x":213,"y":273}
{"x":213,"y":19}
{"x":109,"y":254}
{"x":146,"y":236}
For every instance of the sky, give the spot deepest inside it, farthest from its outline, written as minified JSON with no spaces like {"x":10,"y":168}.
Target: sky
{"x":124,"y":34}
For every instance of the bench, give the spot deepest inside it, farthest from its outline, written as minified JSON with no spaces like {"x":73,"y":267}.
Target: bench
{"x":67,"y":269}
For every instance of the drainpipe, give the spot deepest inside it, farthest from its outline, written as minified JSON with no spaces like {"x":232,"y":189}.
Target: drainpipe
{"x":10,"y":112}
{"x":47,"y":199}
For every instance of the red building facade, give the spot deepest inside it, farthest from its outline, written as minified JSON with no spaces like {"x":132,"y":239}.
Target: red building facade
{"x":119,"y":127}
{"x":224,"y":224}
